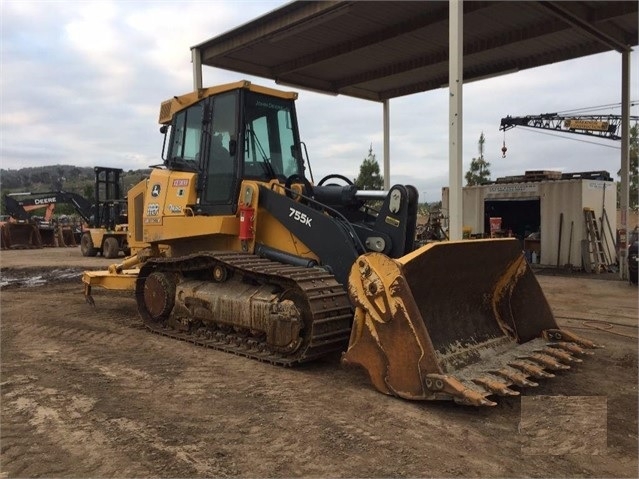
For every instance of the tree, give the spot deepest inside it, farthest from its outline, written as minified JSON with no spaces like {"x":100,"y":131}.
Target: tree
{"x":633,"y":180}
{"x":369,"y":176}
{"x":89,"y":192}
{"x":479,"y":172}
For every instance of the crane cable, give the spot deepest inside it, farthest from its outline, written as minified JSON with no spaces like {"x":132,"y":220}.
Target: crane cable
{"x":503,"y":148}
{"x":570,"y":138}
{"x":595,"y":108}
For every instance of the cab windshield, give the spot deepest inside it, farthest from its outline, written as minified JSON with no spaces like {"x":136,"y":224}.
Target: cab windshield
{"x":271,"y":143}
{"x":185,"y":137}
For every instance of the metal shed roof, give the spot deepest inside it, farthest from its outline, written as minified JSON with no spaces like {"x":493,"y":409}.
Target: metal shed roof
{"x":378,"y":50}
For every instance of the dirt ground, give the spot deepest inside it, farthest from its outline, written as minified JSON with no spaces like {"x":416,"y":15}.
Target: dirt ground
{"x":88,"y":392}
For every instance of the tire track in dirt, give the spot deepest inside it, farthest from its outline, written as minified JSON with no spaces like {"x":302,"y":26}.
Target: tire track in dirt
{"x":153,"y":406}
{"x":107,"y":347}
{"x":64,"y":427}
{"x":101,"y":347}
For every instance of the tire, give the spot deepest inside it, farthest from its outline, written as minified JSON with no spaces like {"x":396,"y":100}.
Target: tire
{"x":110,"y":247}
{"x":86,"y":245}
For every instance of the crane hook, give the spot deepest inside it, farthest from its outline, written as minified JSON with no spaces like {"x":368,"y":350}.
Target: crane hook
{"x":503,"y":150}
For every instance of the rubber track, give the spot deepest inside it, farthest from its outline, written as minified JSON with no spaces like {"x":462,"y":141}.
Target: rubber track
{"x":329,"y":306}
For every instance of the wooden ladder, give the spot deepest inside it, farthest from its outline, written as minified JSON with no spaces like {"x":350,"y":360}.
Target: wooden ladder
{"x":596,"y":255}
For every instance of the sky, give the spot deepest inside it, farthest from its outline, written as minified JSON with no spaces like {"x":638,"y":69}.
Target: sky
{"x":82,"y":82}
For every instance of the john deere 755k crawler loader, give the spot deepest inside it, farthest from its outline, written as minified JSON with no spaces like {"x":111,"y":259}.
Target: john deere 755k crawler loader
{"x":239,"y":251}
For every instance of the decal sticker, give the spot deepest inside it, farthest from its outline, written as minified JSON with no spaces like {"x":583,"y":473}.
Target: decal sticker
{"x":152,"y":209}
{"x":389,"y":220}
{"x":299,"y":216}
{"x":181,"y":182}
{"x":174,"y":208}
{"x":155,"y":190}
{"x":44,"y":201}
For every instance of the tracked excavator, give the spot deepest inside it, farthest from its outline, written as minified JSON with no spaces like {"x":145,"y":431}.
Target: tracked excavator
{"x":105,"y":218}
{"x":240,"y":251}
{"x":26,"y":232}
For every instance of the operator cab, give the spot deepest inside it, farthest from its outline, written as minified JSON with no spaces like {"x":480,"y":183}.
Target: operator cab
{"x":236,"y":132}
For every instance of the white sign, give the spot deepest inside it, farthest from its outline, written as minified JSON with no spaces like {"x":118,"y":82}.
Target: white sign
{"x":530,"y":188}
{"x":596,"y":185}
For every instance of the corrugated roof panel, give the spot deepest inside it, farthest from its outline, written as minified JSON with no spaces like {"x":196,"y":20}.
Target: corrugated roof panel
{"x":382,"y":49}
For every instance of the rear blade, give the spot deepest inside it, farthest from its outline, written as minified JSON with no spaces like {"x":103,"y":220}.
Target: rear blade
{"x":455,"y":320}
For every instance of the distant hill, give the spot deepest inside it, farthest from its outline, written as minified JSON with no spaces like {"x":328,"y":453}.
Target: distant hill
{"x":80,"y":180}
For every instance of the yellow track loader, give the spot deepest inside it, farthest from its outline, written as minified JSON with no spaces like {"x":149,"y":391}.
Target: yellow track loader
{"x":238,"y":250}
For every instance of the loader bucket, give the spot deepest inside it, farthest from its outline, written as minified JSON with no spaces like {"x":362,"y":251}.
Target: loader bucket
{"x":48,"y":236}
{"x":22,"y":235}
{"x":4,"y":236}
{"x":455,"y":320}
{"x":67,"y":237}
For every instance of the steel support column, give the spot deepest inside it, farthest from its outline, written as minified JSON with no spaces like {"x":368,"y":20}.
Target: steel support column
{"x":455,"y":85}
{"x":625,"y":161}
{"x":386,"y":145}
{"x":196,"y":59}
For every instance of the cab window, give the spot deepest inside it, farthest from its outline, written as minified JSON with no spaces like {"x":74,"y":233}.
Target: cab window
{"x":186,"y":135}
{"x":269,"y":138}
{"x":221,"y":168}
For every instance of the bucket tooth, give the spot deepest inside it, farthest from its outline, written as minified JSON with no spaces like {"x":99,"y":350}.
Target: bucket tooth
{"x":564,"y":335}
{"x":547,"y":361}
{"x":531,"y":369}
{"x":482,"y":402}
{"x":560,"y":354}
{"x":495,"y":386}
{"x":454,"y":387}
{"x":570,"y":347}
{"x":516,"y":377}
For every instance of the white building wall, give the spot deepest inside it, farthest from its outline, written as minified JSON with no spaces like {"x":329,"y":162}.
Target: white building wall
{"x":598,"y":195}
{"x":561,"y":198}
{"x":569,"y":197}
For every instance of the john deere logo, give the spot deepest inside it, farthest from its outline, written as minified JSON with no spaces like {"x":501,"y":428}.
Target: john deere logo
{"x":155,"y":190}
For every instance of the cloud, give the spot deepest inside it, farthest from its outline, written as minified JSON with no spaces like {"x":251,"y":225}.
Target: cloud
{"x":82,"y":84}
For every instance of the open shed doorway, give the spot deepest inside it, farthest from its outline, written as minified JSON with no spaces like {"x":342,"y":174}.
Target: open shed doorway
{"x":519,"y":217}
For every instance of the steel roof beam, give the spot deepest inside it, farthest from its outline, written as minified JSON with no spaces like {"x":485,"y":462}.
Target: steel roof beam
{"x":286,"y":21}
{"x":488,"y":70}
{"x":573,"y":19}
{"x":351,"y":46}
{"x":500,"y":40}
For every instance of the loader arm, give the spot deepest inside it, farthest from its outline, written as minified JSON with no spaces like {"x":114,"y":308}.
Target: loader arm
{"x":336,"y":240}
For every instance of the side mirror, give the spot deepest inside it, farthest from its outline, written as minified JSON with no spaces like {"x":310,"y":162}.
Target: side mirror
{"x":164,"y":129}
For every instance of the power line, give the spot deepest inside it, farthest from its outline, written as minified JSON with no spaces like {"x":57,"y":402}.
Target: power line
{"x":596,"y":108}
{"x":569,"y":138}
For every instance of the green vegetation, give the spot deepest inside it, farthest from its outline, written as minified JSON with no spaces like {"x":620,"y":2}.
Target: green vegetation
{"x":479,"y":172}
{"x":633,"y":182}
{"x":369,"y":177}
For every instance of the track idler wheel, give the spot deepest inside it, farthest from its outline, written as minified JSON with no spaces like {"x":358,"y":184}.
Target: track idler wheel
{"x":158,"y":296}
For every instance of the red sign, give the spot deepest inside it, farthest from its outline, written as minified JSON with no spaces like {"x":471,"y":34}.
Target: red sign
{"x":181,"y":182}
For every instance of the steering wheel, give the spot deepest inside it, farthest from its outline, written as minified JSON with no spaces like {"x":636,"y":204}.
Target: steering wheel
{"x":336,"y":176}
{"x":295,"y":178}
